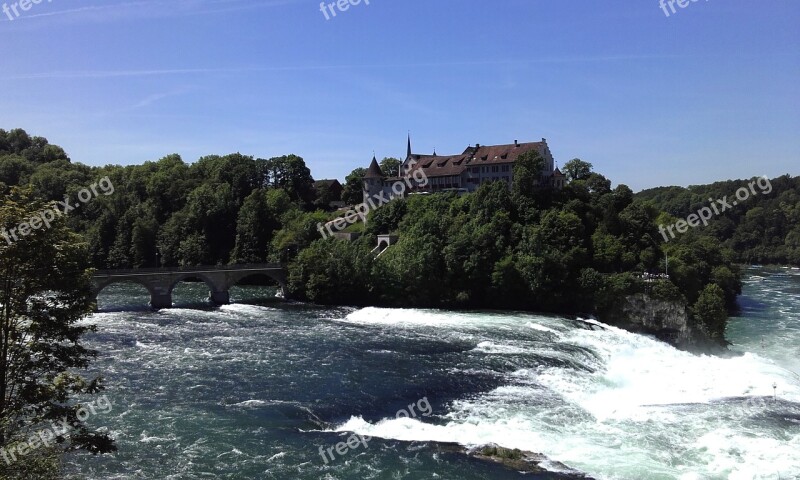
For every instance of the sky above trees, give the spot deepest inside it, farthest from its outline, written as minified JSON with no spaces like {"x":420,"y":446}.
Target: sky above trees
{"x":708,"y":93}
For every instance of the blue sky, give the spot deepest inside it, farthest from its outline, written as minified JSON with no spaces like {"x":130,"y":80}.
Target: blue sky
{"x":709,"y":93}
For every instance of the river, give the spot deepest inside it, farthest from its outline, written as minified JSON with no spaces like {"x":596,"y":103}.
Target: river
{"x":254,"y":389}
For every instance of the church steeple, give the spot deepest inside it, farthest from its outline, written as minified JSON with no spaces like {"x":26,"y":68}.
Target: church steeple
{"x":408,"y":153}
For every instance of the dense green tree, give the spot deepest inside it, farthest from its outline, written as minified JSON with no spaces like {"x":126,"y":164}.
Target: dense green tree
{"x":330,"y":271}
{"x":14,"y":170}
{"x":45,"y":290}
{"x":300,"y":229}
{"x":577,"y":169}
{"x":167,"y":186}
{"x":290,"y":173}
{"x":710,"y":312}
{"x":211,"y":214}
{"x":527,"y":174}
{"x":353,"y":190}
{"x":390,"y":166}
{"x":254,"y":229}
{"x":386,"y":220}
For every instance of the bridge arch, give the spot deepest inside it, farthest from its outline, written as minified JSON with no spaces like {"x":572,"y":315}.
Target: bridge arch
{"x":161,"y":282}
{"x":234,"y":278}
{"x":212,"y":285}
{"x":217,"y":291}
{"x":99,"y":286}
{"x":102,"y":285}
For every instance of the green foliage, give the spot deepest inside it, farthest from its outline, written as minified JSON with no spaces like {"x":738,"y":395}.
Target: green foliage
{"x":527,"y":174}
{"x":668,"y":291}
{"x":332,"y":272}
{"x":579,"y":249}
{"x":577,"y":169}
{"x":218,"y":210}
{"x":353,"y":190}
{"x":710,"y":313}
{"x":763,"y":229}
{"x":387,"y":219}
{"x":390,"y":166}
{"x":45,"y":291}
{"x":291,"y":174}
{"x":300,"y":229}
{"x":255,"y":226}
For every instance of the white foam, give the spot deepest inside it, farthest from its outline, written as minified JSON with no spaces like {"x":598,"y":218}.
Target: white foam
{"x":540,"y":328}
{"x":251,"y":404}
{"x":599,"y":419}
{"x":635,"y":379}
{"x":494,"y":348}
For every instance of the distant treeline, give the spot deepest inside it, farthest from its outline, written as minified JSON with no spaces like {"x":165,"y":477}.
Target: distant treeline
{"x":764,"y":229}
{"x":217,"y":210}
{"x":576,"y":250}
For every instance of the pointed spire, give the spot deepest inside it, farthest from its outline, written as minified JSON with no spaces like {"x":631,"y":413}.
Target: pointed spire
{"x":374,"y":170}
{"x":408,"y":154}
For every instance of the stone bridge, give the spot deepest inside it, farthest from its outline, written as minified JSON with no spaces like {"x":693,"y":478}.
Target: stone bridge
{"x":160,"y":282}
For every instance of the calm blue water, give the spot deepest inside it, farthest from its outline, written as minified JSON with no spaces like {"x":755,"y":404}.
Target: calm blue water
{"x":253,"y":391}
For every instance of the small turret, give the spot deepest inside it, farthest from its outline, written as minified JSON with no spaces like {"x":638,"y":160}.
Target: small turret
{"x":373,"y":180}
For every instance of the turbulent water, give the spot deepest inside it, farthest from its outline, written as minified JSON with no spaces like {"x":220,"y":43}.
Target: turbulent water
{"x":254,"y":391}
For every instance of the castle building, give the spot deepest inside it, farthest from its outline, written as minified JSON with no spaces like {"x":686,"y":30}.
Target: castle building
{"x":460,"y":173}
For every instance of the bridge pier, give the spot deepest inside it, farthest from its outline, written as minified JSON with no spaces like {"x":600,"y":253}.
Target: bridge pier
{"x":220,"y":298}
{"x":161,"y":300}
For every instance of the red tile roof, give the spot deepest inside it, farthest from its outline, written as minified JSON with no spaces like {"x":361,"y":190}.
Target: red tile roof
{"x":447,"y":165}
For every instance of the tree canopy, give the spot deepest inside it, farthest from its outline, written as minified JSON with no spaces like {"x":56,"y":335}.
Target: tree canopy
{"x":764,"y":228}
{"x":45,"y":290}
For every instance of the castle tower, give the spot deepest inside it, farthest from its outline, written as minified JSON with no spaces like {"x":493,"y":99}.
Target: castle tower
{"x":373,"y":180}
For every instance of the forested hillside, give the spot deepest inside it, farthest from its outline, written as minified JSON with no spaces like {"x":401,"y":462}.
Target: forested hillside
{"x":217,"y":210}
{"x":764,"y":229}
{"x":578,"y":250}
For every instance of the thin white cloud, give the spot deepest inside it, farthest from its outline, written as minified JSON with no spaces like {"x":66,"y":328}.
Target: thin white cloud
{"x":88,"y":74}
{"x":149,"y":9}
{"x":151,"y":99}
{"x":114,"y":73}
